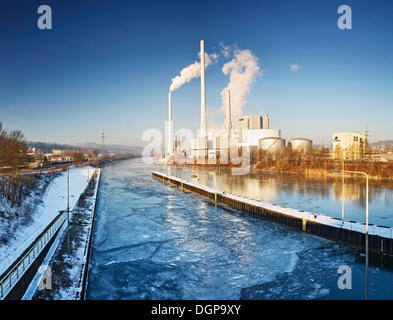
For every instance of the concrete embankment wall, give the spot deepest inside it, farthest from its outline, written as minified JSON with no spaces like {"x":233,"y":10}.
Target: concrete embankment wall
{"x":90,"y":242}
{"x":355,"y":238}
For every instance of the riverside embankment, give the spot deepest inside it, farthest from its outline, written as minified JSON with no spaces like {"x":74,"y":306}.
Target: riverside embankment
{"x":69,"y":261}
{"x":22,"y":274}
{"x":348,"y":232}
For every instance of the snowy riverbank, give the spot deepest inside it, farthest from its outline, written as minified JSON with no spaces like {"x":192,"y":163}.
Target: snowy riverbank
{"x":53,"y":200}
{"x":68,"y":264}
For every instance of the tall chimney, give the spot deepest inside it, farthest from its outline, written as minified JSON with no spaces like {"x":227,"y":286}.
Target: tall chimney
{"x":265,"y":122}
{"x":228,"y":124}
{"x":170,"y":129}
{"x":203,"y":92}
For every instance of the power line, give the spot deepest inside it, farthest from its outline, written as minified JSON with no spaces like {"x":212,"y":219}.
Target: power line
{"x":102,"y":142}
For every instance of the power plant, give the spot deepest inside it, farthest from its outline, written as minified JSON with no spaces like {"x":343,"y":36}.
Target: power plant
{"x":248,"y":131}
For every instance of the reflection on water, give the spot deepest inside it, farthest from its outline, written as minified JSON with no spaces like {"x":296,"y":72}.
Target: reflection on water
{"x":322,"y":195}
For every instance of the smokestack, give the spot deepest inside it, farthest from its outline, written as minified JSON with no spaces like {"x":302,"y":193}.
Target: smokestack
{"x":228,"y":124}
{"x":265,"y":122}
{"x":170,"y":130}
{"x":203,"y":91}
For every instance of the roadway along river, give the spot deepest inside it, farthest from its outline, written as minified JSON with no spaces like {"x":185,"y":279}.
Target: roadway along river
{"x":152,"y":241}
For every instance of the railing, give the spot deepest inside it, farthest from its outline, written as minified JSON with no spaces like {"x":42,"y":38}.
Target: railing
{"x":12,"y":277}
{"x":88,"y":247}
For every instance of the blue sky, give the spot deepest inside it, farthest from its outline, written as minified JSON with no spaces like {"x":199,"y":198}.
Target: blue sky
{"x":108,"y":65}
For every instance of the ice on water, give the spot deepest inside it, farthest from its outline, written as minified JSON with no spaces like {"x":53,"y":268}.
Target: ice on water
{"x":153,"y":241}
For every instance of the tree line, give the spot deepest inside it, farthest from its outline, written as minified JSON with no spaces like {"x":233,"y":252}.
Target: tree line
{"x":318,"y":162}
{"x":13,"y":155}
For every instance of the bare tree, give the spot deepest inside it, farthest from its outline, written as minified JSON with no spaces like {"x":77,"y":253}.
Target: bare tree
{"x":13,"y":154}
{"x":77,"y":158}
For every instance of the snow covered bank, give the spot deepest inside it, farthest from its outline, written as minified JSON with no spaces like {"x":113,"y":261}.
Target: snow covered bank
{"x":68,"y":264}
{"x":54,"y":200}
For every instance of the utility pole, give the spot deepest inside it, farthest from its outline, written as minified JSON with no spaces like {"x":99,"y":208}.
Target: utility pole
{"x":366,"y":235}
{"x":342,"y":193}
{"x":219,"y":173}
{"x":367,"y":216}
{"x":102,"y":143}
{"x":366,"y":148}
{"x":68,"y":211}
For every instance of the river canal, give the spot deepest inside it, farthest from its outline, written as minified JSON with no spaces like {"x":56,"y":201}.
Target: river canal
{"x":152,"y":241}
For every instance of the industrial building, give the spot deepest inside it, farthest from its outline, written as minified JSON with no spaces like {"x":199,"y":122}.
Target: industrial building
{"x":251,"y":137}
{"x":250,"y":122}
{"x":349,"y":145}
{"x":253,"y":128}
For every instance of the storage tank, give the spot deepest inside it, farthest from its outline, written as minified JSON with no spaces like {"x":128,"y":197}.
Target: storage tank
{"x":252,"y":136}
{"x":301,"y":145}
{"x":272,"y":145}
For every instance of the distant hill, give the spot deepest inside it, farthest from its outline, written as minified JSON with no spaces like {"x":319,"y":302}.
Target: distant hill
{"x":46,"y":147}
{"x":110,"y":148}
{"x":382,"y":143}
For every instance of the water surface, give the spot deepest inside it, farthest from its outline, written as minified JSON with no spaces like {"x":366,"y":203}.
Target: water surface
{"x":153,"y":241}
{"x":319,"y":195}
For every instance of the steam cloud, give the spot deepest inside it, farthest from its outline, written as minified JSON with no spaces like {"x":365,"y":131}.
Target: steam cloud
{"x":225,"y":50}
{"x":243,"y":70}
{"x":191,"y":72}
{"x":295,"y":67}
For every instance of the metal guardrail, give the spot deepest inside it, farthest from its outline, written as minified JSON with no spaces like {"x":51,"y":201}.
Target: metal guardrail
{"x":88,"y":248}
{"x":24,"y":263}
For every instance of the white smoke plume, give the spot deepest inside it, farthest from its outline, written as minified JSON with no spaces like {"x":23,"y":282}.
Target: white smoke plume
{"x":192,"y":71}
{"x":243,"y":70}
{"x":225,"y":50}
{"x":295,"y":67}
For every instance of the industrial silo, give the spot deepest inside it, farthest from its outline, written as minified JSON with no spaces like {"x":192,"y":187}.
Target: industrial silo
{"x":272,"y":145}
{"x":300,"y":145}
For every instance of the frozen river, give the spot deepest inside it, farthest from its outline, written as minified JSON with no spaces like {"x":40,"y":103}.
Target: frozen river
{"x":152,"y":241}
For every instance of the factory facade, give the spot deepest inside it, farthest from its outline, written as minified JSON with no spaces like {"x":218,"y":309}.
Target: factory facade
{"x":349,"y":145}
